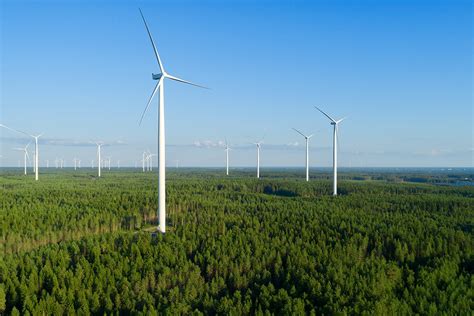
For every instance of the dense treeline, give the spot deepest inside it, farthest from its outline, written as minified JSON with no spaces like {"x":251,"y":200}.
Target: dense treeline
{"x":237,"y":246}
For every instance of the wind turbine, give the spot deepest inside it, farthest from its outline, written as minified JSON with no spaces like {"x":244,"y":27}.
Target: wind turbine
{"x":227,"y":148}
{"x":335,"y":124}
{"x":26,"y":156}
{"x":75,"y":163}
{"x":258,"y":144}
{"x":36,"y":147}
{"x":307,"y":151}
{"x":150,"y":161}
{"x":99,"y":161}
{"x":161,"y":128}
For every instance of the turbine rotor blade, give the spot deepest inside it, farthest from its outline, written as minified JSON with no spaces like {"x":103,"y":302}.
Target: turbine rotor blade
{"x":299,"y":132}
{"x":158,"y":59}
{"x":15,"y":130}
{"x":184,"y":81}
{"x":339,"y":121}
{"x":333,"y":120}
{"x":151,"y":98}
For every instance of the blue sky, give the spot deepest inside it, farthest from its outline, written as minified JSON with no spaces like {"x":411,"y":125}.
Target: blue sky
{"x":401,"y":70}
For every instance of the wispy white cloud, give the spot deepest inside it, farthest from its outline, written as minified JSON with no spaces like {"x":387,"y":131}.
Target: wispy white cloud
{"x":209,"y":144}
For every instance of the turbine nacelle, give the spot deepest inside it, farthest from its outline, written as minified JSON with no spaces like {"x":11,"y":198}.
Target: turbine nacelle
{"x":156,"y":76}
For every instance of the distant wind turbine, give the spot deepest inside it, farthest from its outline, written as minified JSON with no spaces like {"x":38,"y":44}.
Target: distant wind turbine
{"x":307,"y":151}
{"x":150,"y":161}
{"x":99,"y":160}
{"x":335,"y":124}
{"x":227,"y":148}
{"x":258,"y":144}
{"x":161,"y":129}
{"x":36,"y":147}
{"x":26,"y":156}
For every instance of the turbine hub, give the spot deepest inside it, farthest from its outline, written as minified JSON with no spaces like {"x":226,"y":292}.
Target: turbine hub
{"x":156,"y":76}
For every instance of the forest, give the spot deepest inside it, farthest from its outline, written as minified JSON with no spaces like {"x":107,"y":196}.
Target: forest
{"x":72,"y":243}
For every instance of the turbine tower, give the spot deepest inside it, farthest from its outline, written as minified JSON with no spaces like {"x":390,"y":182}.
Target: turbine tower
{"x":150,"y":161}
{"x":99,"y":161}
{"x":258,"y":144}
{"x":26,"y":156}
{"x":307,"y":151}
{"x":227,"y":148}
{"x":335,"y":124}
{"x":161,"y":128}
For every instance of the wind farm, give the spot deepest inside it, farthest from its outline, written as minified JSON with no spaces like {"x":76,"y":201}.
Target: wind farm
{"x":126,"y":212}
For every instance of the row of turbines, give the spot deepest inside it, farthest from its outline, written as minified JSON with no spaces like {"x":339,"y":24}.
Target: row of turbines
{"x":147,"y":156}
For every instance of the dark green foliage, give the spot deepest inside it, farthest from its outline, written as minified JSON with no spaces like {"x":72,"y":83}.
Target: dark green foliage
{"x":75,"y":244}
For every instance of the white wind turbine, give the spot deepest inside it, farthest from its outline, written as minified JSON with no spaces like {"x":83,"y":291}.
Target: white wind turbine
{"x":75,"y":163}
{"x":99,"y":160}
{"x":161,"y":129}
{"x":150,"y":161}
{"x":36,"y":147}
{"x":227,"y":148}
{"x":258,"y":144}
{"x":335,"y":124}
{"x":26,"y":156}
{"x":307,"y":151}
